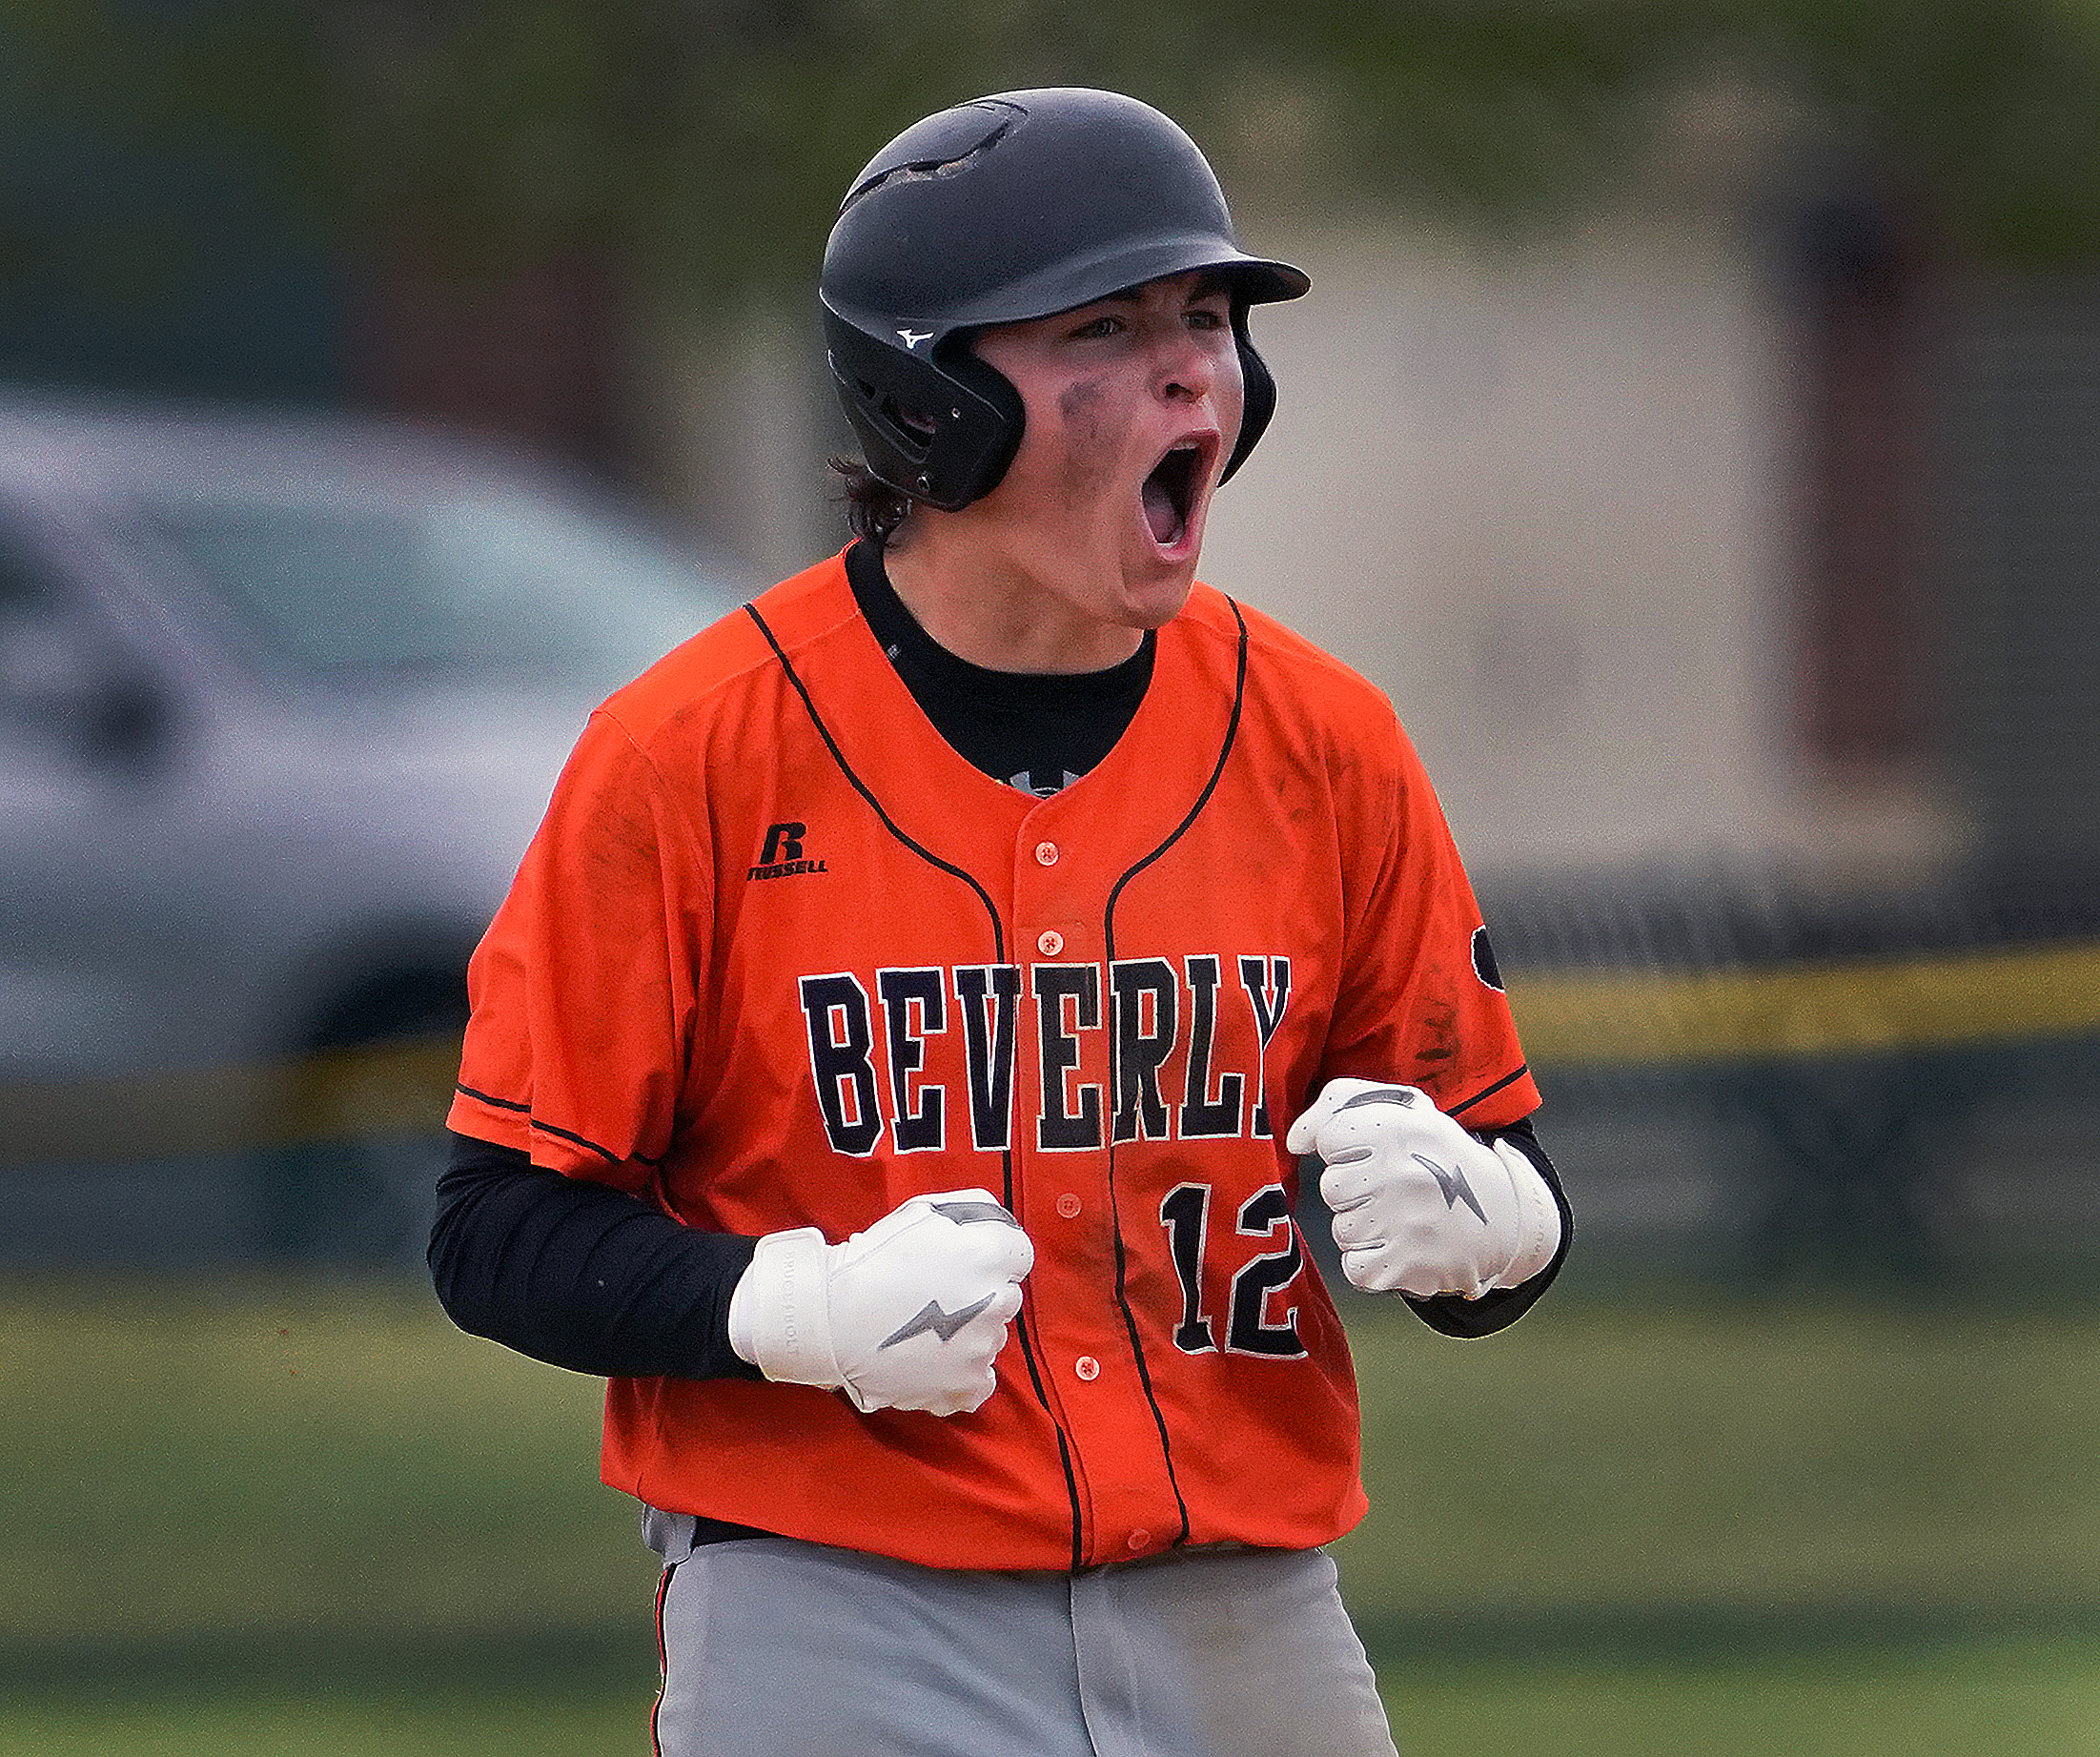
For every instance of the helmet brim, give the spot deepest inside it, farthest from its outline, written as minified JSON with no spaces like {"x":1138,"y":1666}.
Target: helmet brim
{"x":1254,"y":280}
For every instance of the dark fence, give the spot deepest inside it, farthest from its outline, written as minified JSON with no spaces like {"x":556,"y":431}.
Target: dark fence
{"x":1771,"y":1081}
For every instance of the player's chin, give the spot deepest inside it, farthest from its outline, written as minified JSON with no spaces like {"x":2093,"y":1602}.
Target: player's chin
{"x":1154,"y":594}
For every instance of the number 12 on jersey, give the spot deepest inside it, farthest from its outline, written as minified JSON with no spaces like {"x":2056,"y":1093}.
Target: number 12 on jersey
{"x":1185,"y":1212}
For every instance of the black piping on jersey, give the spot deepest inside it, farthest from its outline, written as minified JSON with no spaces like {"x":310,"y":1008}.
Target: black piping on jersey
{"x":1023,"y":1327}
{"x":547,"y":1127}
{"x":1486,"y":1093}
{"x":1115,"y":1081}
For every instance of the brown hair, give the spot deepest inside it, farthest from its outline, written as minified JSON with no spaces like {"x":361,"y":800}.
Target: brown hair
{"x":873,"y":508}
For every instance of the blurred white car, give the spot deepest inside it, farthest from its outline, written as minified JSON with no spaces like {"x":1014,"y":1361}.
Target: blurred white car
{"x":281,"y":699}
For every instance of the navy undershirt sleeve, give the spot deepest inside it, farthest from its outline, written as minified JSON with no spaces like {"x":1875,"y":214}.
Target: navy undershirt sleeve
{"x":579,"y":1275}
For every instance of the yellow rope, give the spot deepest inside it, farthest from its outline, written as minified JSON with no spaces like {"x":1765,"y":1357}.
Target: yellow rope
{"x":1850,"y":1005}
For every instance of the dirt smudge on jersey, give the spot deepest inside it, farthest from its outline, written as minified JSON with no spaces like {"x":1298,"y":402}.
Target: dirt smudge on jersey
{"x":1439,"y":1039}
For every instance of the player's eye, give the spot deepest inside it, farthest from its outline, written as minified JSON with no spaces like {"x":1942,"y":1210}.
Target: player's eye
{"x":1098,"y":329}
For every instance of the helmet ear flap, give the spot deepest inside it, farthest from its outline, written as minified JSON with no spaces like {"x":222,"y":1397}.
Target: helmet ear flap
{"x":995,"y":416}
{"x":940,"y":431}
{"x":1259,"y":401}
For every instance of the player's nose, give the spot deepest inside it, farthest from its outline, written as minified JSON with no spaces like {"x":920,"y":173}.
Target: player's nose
{"x":1185,"y":365}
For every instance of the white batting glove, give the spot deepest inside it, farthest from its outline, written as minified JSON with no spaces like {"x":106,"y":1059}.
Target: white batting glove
{"x":908,"y":1314}
{"x":1420,"y":1206}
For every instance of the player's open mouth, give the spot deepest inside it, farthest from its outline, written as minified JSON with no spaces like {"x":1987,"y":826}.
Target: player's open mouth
{"x":1170,"y":493}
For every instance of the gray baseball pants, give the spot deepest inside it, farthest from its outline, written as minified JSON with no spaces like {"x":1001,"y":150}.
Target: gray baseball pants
{"x":778,"y":1648}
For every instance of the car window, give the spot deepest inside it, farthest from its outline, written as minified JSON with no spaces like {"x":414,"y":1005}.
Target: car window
{"x":487,"y":580}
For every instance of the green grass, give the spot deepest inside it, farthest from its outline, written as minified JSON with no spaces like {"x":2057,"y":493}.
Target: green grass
{"x":2020,"y":1701}
{"x":299,"y":1518}
{"x":569,"y":1721}
{"x":296,"y":1466}
{"x":1739,"y":1468}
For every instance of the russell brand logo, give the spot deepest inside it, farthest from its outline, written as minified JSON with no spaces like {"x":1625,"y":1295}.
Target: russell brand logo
{"x":783,"y":856}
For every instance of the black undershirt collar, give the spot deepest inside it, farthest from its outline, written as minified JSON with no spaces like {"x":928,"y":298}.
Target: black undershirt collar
{"x":1039,"y":732}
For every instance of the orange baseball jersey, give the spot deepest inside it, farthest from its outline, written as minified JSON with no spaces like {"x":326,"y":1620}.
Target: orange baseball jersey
{"x":778,"y":957}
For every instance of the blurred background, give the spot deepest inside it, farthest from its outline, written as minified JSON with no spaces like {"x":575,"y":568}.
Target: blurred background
{"x":1695,"y":428}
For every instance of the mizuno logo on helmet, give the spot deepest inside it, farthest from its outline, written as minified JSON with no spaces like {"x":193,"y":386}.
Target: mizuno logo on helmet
{"x":911,"y":338}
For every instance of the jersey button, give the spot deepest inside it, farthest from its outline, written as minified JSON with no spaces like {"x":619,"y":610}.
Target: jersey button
{"x":1046,"y":853}
{"x":1137,"y":1539}
{"x":1068,"y":1205}
{"x":1050,"y":944}
{"x":1086,"y":1367}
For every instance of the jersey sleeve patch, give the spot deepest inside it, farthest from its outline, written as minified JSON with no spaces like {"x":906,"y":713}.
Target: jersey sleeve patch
{"x":1484,"y":965}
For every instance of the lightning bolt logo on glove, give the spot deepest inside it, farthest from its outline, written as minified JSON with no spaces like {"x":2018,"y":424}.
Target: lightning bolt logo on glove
{"x":1453,"y":1183}
{"x":911,"y":1314}
{"x":947,"y":1325}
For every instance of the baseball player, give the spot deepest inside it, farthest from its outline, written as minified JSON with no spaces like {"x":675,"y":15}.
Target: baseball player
{"x":892,"y":1065}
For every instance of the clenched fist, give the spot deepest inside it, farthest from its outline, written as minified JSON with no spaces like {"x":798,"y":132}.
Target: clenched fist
{"x":1420,"y":1206}
{"x":909,"y":1315}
